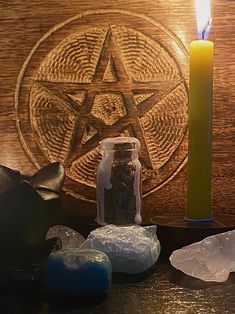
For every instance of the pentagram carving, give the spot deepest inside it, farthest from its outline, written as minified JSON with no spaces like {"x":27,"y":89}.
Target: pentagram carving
{"x":104,"y":79}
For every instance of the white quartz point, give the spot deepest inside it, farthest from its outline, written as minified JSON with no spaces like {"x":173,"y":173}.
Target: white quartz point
{"x":211,"y":259}
{"x":69,"y":237}
{"x":131,"y":249}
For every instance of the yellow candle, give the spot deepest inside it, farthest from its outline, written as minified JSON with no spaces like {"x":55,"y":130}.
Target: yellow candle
{"x":200,"y":111}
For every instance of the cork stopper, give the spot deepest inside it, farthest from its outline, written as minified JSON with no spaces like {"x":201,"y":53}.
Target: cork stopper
{"x":120,"y":144}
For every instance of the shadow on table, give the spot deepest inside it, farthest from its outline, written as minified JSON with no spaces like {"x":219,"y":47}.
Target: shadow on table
{"x":34,"y":301}
{"x":181,"y":279}
{"x":118,"y":278}
{"x":70,"y":302}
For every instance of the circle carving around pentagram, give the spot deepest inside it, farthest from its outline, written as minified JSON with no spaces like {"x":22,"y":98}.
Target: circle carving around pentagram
{"x":104,"y":74}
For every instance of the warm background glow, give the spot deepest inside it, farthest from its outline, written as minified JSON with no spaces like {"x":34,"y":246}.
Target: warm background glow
{"x":23,"y":23}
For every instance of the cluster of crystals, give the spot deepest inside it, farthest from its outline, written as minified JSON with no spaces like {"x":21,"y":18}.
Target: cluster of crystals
{"x":134,"y":249}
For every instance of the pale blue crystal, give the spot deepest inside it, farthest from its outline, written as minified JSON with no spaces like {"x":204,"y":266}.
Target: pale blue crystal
{"x":131,"y":249}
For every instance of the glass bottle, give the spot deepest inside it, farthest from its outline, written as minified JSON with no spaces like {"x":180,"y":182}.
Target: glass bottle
{"x":119,"y":182}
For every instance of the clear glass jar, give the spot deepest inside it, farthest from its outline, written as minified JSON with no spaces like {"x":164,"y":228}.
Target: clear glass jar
{"x":119,"y":182}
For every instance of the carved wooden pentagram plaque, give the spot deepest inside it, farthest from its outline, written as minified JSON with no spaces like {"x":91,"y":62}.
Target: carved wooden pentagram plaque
{"x":103,"y":74}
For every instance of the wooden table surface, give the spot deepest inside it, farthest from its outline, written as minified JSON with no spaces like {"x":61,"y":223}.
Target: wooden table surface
{"x":161,"y":290}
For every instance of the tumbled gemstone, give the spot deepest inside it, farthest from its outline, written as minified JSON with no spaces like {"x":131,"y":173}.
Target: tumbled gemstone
{"x":78,"y":271}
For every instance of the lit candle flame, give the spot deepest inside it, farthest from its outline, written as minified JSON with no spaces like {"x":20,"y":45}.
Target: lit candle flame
{"x":203,"y":10}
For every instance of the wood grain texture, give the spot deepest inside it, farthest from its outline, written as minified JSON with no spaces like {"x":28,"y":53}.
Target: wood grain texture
{"x":23,"y":23}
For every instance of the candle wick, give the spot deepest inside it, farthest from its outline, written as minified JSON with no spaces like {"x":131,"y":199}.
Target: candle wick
{"x":205,"y":30}
{"x":204,"y":34}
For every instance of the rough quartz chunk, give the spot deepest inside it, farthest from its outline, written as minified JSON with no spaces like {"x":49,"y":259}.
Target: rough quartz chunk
{"x":69,"y":237}
{"x":211,"y":259}
{"x":131,"y":249}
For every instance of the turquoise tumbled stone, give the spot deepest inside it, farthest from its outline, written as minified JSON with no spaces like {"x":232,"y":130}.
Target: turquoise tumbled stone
{"x":78,"y":271}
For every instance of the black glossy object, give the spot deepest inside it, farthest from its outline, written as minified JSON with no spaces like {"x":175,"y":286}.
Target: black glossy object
{"x":28,"y":208}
